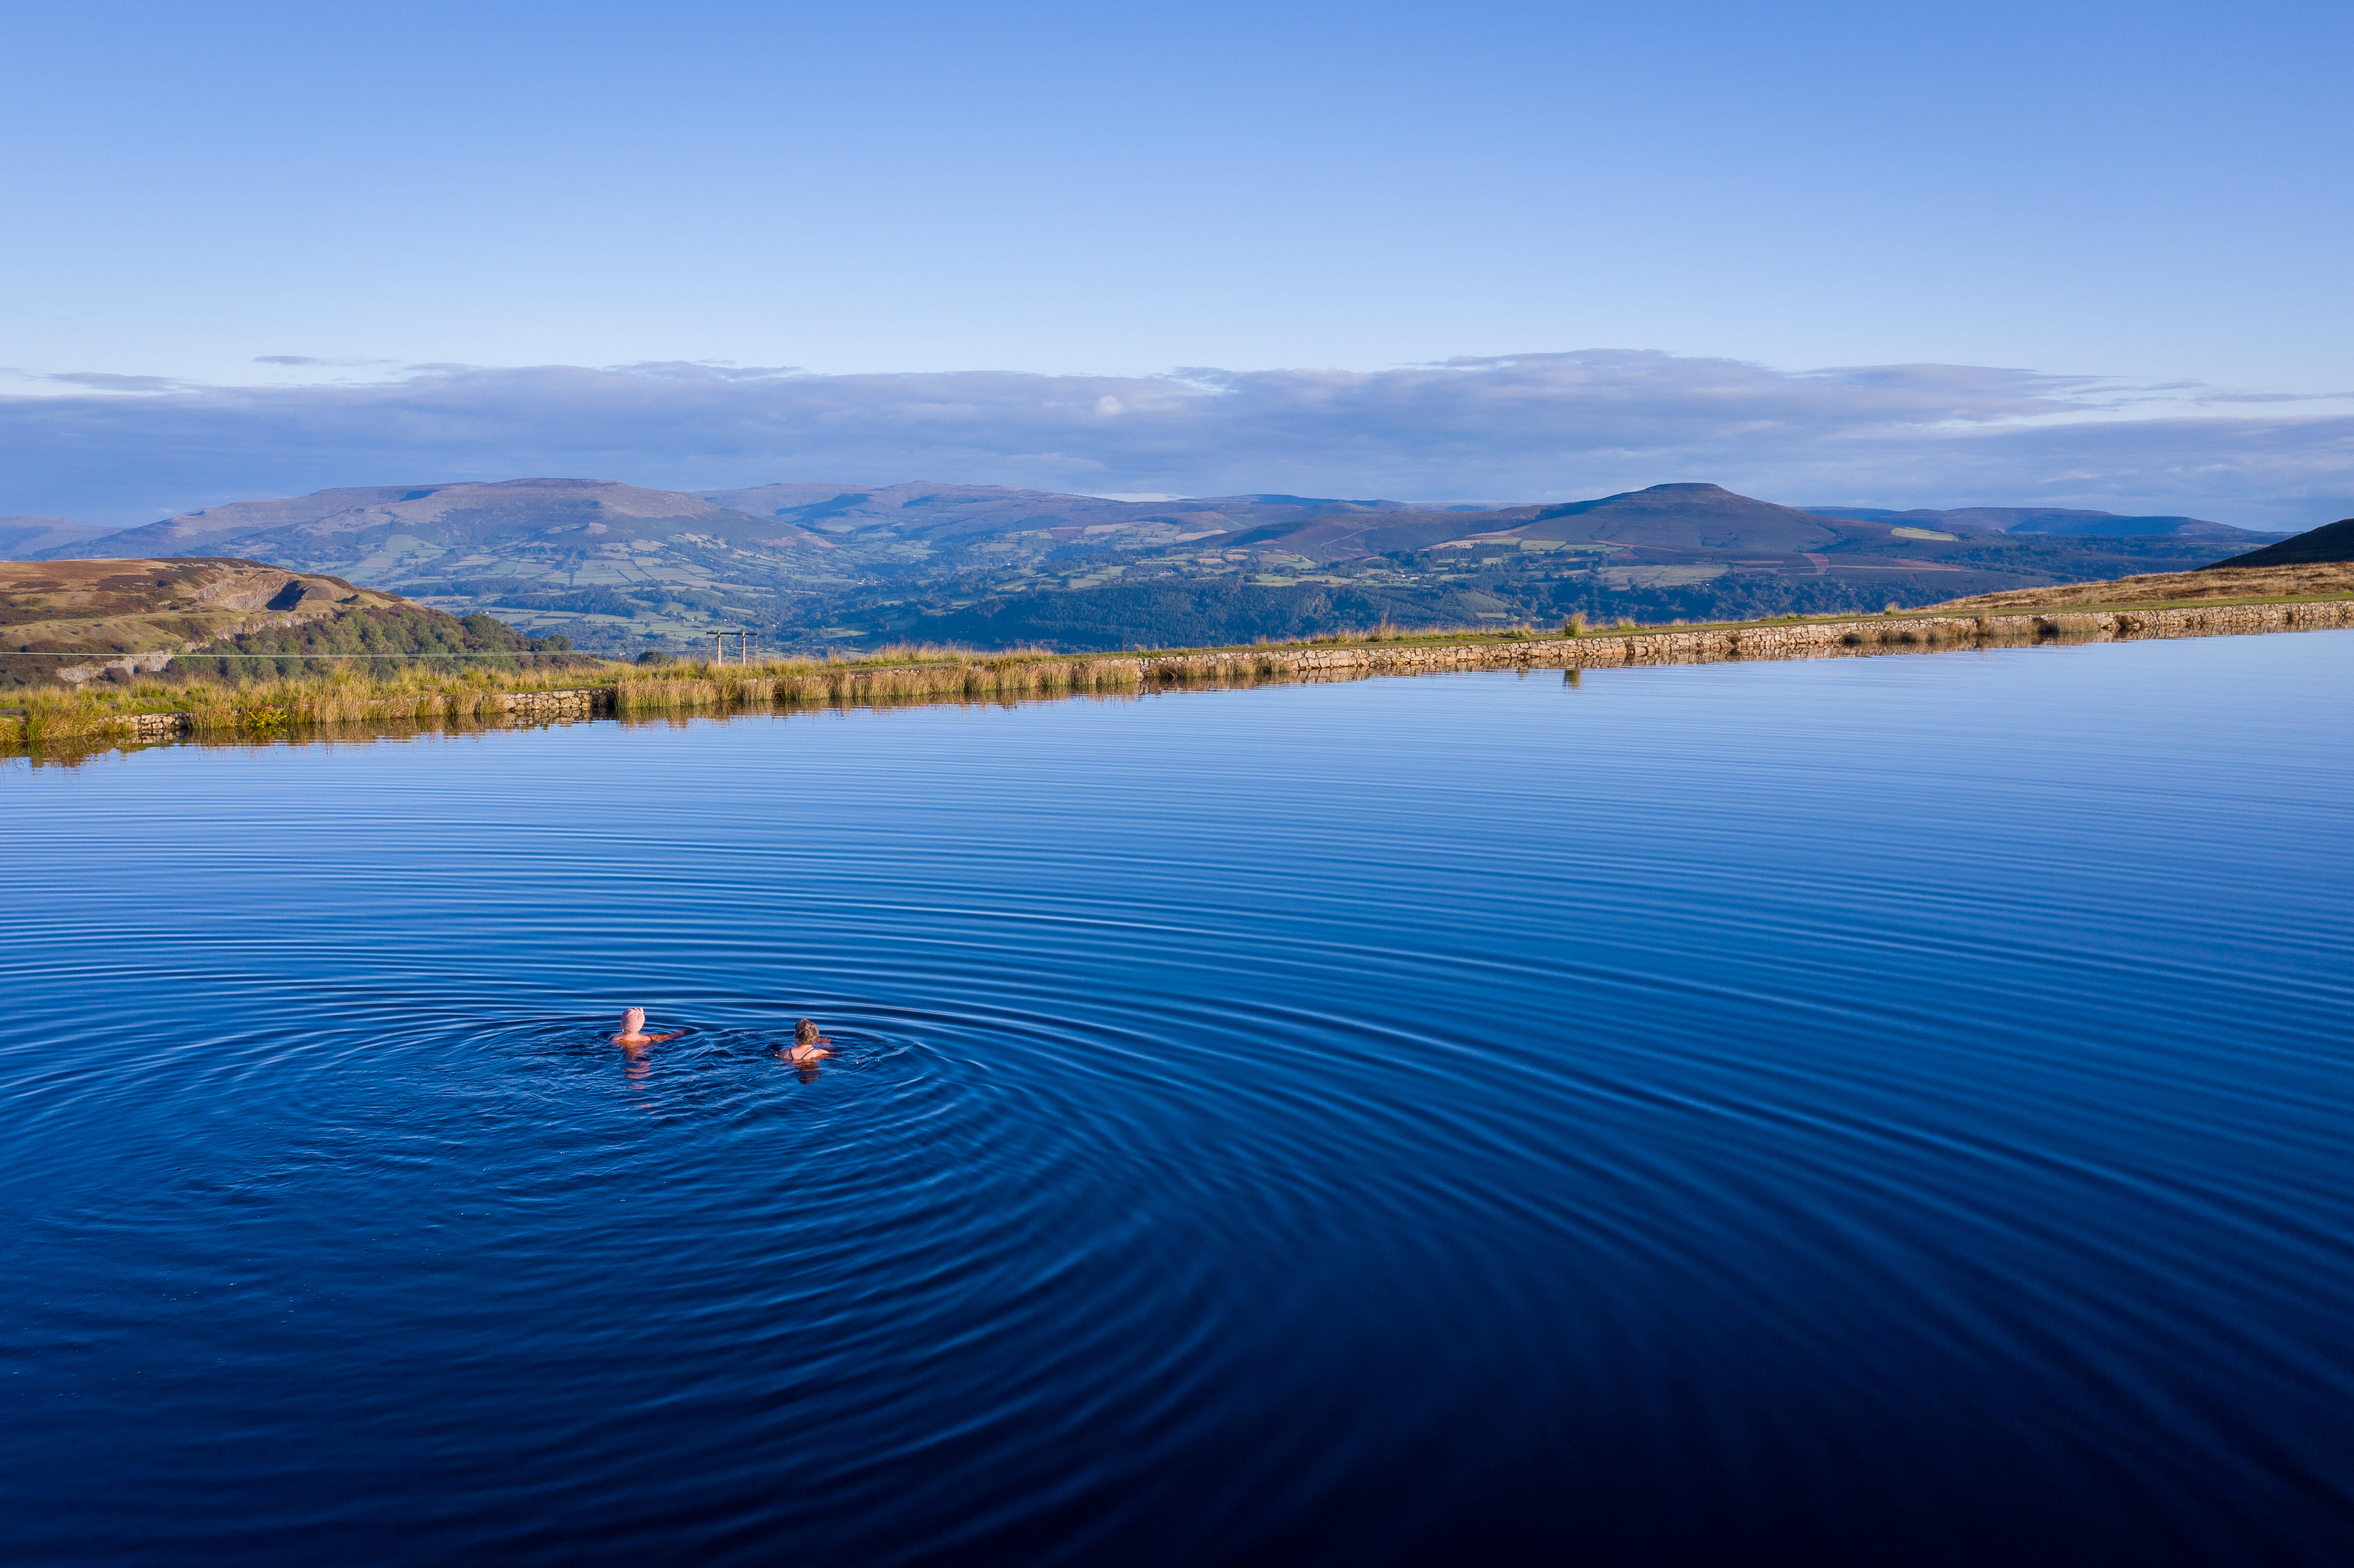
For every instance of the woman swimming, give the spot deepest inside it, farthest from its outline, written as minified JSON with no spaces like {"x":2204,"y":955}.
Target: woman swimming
{"x":808,"y":1044}
{"x":633,"y":1030}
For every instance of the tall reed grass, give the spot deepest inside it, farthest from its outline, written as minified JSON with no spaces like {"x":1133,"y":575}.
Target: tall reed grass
{"x":929,"y":674}
{"x":259,"y":708}
{"x":273,"y":705}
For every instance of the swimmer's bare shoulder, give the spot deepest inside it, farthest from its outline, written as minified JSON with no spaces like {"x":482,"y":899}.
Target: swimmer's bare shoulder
{"x":808,"y":1044}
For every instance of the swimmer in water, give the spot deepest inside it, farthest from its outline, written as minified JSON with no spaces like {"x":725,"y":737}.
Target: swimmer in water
{"x":633,"y":1030}
{"x":808,"y":1044}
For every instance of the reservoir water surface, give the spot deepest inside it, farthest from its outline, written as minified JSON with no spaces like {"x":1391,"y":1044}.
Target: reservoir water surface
{"x":1872,"y":1110}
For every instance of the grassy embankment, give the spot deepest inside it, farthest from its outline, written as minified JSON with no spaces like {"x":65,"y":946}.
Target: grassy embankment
{"x":259,"y":708}
{"x":2172,"y":590}
{"x":225,"y":708}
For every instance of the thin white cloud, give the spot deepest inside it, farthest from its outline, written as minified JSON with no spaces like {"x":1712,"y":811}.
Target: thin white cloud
{"x":1532,"y":426}
{"x":102,"y":381}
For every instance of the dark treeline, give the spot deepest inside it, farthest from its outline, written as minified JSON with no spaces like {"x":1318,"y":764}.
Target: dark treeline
{"x":1220,"y":611}
{"x":652,"y":599}
{"x":2079,"y":557}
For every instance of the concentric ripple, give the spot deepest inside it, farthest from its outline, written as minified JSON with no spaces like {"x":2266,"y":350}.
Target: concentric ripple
{"x":1870,"y":1111}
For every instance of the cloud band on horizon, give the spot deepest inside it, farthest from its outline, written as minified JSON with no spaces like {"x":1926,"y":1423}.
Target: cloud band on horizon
{"x":1536,"y":427}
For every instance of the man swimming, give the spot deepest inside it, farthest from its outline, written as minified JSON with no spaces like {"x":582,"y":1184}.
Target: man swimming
{"x":808,"y":1044}
{"x":633,"y":1030}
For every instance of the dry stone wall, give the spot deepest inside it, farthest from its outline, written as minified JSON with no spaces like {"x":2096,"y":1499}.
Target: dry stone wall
{"x":544,"y":707}
{"x":1801,"y":640}
{"x":159,"y":727}
{"x":1822,"y":639}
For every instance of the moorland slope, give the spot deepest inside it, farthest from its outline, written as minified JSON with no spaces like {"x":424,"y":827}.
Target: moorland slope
{"x":2316,"y":564}
{"x":2332,"y":580}
{"x":70,"y":620}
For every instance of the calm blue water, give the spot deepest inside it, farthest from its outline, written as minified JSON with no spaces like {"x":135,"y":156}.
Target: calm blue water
{"x":1881,"y":1111}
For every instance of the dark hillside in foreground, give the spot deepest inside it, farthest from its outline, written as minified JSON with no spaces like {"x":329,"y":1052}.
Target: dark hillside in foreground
{"x":2330,"y":542}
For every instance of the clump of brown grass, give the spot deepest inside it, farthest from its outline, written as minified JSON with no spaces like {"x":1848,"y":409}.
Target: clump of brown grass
{"x":273,"y":705}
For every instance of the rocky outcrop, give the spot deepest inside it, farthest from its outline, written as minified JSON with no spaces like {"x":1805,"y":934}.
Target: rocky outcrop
{"x":130,"y":665}
{"x":134,"y":615}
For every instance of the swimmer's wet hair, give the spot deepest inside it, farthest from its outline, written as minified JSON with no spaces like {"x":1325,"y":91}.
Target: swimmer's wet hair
{"x":805,"y":1030}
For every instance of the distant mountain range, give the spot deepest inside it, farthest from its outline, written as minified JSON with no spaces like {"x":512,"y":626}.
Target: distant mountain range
{"x":25,"y":538}
{"x":619,"y":568}
{"x":387,"y":526}
{"x":1672,"y":551}
{"x":929,"y":517}
{"x":2028,"y":520}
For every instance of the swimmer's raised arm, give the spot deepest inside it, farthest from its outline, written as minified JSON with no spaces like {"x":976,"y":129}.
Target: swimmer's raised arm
{"x":633,"y":1030}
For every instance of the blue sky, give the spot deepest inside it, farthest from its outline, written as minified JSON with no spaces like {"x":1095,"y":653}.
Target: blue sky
{"x":271,"y":243}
